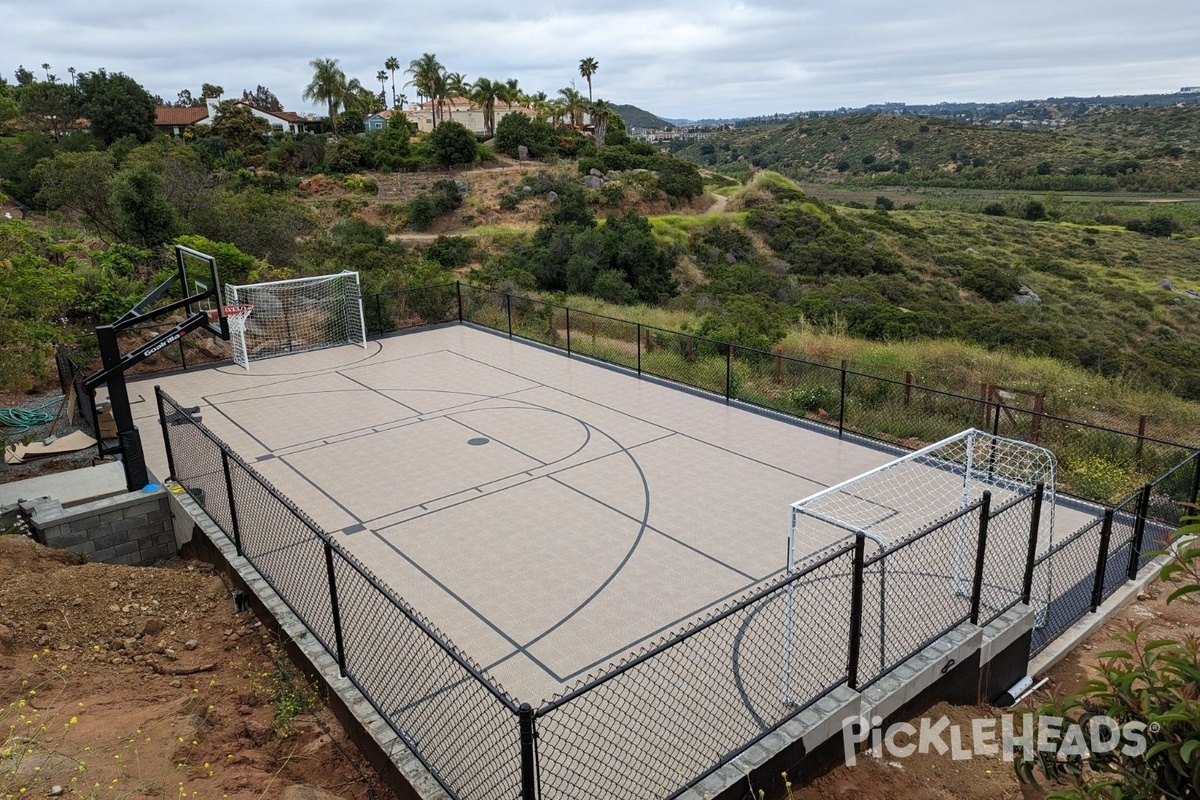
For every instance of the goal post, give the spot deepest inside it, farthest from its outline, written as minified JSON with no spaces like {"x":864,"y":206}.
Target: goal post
{"x":296,"y":315}
{"x":887,"y":506}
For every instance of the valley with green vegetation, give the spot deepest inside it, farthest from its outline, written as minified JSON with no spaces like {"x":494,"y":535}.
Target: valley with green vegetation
{"x":1062,"y":264}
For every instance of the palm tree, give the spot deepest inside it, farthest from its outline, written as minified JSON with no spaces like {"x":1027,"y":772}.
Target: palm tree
{"x":72,"y":71}
{"x":391,"y":65}
{"x":587,"y":68}
{"x":327,"y":86}
{"x":457,"y":85}
{"x":484,"y":93}
{"x":47,"y":68}
{"x":600,"y":112}
{"x":429,"y":79}
{"x":575,"y":105}
{"x":382,"y":76}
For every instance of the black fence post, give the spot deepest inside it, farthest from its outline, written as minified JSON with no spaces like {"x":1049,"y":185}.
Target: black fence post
{"x":508,"y":311}
{"x":528,"y":753}
{"x":1102,"y":560}
{"x":985,"y":518}
{"x":379,"y":314}
{"x":458,"y":291}
{"x":1035,"y":523}
{"x":639,"y":348}
{"x":842,"y":403}
{"x":335,"y":608}
{"x":728,"y":373}
{"x":162,"y":421}
{"x":1139,"y":533}
{"x":568,"y":308}
{"x":233,"y":517}
{"x":1195,"y":479}
{"x":856,"y":611}
{"x":996,"y":420}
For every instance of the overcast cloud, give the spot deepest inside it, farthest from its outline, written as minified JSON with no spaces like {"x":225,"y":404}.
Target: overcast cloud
{"x":700,"y":58}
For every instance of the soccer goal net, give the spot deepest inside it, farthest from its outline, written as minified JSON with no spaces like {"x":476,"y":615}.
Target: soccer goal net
{"x":296,"y":315}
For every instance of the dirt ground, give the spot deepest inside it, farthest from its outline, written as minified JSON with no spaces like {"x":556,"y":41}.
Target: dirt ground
{"x":933,"y":775}
{"x":128,"y":682}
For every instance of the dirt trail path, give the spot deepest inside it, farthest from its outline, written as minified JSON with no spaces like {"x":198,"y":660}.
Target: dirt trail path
{"x":719,"y":206}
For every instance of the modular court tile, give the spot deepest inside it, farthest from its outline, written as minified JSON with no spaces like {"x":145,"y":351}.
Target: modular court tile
{"x":549,"y":514}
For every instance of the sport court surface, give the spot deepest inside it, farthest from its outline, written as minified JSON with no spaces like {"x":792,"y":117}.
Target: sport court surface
{"x":548,"y":514}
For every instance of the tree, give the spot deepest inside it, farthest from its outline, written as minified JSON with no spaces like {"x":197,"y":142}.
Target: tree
{"x":81,"y":183}
{"x":24,"y":76}
{"x":391,"y":65}
{"x":211,"y":91}
{"x":184,"y":99}
{"x":451,"y":143}
{"x":1035,"y":210}
{"x":587,"y":68}
{"x":600,"y":111}
{"x":146,"y":217}
{"x":46,"y":67}
{"x":49,"y":107}
{"x":328,"y":85}
{"x":263,"y":98}
{"x":382,"y":77}
{"x":117,"y":106}
{"x":241,"y":128}
{"x":574,"y":104}
{"x":71,"y":71}
{"x":429,"y":79}
{"x":484,"y":93}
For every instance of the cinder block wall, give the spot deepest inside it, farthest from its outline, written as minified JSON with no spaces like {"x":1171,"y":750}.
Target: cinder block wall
{"x":132,"y":528}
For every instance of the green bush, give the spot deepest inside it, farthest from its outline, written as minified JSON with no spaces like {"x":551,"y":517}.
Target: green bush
{"x":994,"y":283}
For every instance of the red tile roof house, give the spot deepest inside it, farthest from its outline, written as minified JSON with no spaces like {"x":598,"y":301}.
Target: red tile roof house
{"x":173,"y":121}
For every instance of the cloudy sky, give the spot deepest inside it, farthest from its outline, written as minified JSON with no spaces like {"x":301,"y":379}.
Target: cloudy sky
{"x":676,"y":58}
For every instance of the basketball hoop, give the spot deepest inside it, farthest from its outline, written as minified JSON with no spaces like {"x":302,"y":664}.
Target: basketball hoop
{"x":235,"y":313}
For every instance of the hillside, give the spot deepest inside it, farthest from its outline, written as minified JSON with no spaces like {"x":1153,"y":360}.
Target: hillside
{"x":638,"y":118}
{"x":1128,"y":150}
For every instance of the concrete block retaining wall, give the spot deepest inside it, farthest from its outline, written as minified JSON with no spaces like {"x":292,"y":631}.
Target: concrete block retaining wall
{"x":134,"y":528}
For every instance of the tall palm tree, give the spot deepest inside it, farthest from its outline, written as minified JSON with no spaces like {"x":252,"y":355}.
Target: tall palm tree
{"x":587,"y":68}
{"x":391,"y":65}
{"x":429,"y":79}
{"x":575,"y":105}
{"x":328,"y":86}
{"x":72,"y":71}
{"x":47,"y":68}
{"x":382,"y":76}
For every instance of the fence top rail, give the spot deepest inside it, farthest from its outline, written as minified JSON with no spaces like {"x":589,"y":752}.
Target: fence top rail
{"x":674,"y":640}
{"x":931,"y":528}
{"x":411,"y":614}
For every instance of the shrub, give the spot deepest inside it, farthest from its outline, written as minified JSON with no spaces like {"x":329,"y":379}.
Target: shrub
{"x":1035,"y":210}
{"x":450,"y":251}
{"x":995,"y":210}
{"x":994,"y":283}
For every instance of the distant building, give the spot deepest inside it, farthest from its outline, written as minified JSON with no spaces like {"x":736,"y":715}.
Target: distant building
{"x":172,"y":121}
{"x":459,"y":110}
{"x":1190,"y":90}
{"x":377,"y":121}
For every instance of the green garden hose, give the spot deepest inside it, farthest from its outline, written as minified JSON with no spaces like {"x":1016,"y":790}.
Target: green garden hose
{"x":24,"y":419}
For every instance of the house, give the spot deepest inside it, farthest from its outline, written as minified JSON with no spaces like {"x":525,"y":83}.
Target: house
{"x":377,"y":121}
{"x":459,"y":110}
{"x":173,"y":121}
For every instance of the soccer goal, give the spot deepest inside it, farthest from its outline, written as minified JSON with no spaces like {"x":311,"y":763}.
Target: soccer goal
{"x":927,"y":490}
{"x":296,"y":315}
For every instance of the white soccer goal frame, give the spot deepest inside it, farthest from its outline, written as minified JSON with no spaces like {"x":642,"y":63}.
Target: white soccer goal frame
{"x":1007,"y":467}
{"x":343,"y":303}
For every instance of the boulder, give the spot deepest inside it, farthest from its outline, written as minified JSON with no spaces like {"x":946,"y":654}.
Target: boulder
{"x":1026,"y":297}
{"x":595,"y":173}
{"x":463,"y":188}
{"x":551,"y":197}
{"x":522,"y":152}
{"x":593,"y":182}
{"x":613,"y":174}
{"x":1165,"y":283}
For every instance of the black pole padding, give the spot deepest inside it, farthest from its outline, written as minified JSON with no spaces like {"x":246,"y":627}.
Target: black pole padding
{"x":1195,"y":480}
{"x":335,"y":609}
{"x":1102,"y":560}
{"x":639,"y":349}
{"x":856,"y":611}
{"x":1139,"y":533}
{"x":233,"y":516}
{"x":842,"y":404}
{"x":458,"y":291}
{"x":728,"y":373}
{"x":529,"y":766}
{"x":508,"y":310}
{"x":162,"y":421}
{"x":133,"y":460}
{"x":568,"y":329}
{"x":1035,"y":523}
{"x":985,"y":518}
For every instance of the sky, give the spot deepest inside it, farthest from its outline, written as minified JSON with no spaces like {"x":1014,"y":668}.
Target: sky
{"x":676,"y":58}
